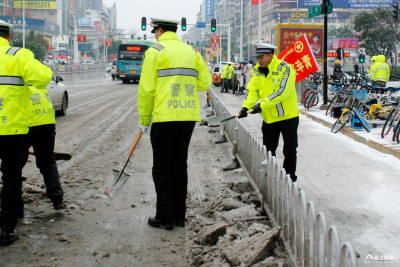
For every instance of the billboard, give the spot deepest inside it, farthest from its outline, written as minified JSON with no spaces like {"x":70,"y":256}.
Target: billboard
{"x":84,"y":21}
{"x":49,"y":4}
{"x":314,"y":36}
{"x":345,"y":43}
{"x":346,"y":4}
{"x":33,"y":24}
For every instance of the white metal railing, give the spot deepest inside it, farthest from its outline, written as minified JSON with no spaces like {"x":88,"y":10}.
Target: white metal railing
{"x":305,"y":235}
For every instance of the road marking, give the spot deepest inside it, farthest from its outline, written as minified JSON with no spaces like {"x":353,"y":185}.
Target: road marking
{"x":82,"y":93}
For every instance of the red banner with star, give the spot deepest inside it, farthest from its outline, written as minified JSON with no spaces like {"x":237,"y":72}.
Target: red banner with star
{"x":300,"y":57}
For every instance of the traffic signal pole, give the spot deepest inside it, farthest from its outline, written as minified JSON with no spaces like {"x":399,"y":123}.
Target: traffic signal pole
{"x":324,"y":106}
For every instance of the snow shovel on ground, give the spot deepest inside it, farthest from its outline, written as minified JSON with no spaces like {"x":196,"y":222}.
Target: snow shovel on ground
{"x":120,"y":175}
{"x":215,"y":123}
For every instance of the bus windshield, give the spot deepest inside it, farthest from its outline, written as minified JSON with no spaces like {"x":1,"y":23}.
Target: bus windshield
{"x":131,"y":52}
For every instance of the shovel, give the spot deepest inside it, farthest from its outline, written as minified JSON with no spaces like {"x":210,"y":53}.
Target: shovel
{"x":120,"y":175}
{"x":225,"y":121}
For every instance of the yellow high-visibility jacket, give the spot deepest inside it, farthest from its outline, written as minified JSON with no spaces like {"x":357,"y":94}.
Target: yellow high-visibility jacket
{"x":41,"y":109}
{"x":277,"y":92}
{"x":17,"y":68}
{"x":224,"y":72}
{"x":380,"y":70}
{"x":172,"y":74}
{"x":231,"y":71}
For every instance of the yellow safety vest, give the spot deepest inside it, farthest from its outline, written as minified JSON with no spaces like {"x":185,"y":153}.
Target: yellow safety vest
{"x":17,"y":68}
{"x":277,"y":91}
{"x":231,"y":71}
{"x":41,"y":109}
{"x":172,"y":74}
{"x":224,"y":72}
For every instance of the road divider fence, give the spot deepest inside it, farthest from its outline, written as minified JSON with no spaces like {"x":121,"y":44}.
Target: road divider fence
{"x":305,"y":234}
{"x":77,"y":68}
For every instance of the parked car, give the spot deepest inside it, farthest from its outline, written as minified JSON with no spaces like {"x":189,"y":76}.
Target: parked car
{"x":58,"y":95}
{"x":108,"y":68}
{"x":114,"y":73}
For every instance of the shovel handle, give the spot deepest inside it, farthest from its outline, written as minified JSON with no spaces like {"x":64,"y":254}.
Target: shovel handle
{"x":248,"y":112}
{"x":135,"y":142}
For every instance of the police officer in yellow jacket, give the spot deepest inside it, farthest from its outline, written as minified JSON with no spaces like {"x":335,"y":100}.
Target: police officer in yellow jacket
{"x":380,"y":70}
{"x":224,"y":77}
{"x":17,"y":68}
{"x":273,"y":82}
{"x":41,"y":136}
{"x":230,"y":73}
{"x":172,"y":75}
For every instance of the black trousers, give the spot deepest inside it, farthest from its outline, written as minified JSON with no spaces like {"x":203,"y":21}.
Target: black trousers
{"x":42,"y":139}
{"x":288,"y":128}
{"x":229,"y":84}
{"x":11,"y":153}
{"x":170,"y":142}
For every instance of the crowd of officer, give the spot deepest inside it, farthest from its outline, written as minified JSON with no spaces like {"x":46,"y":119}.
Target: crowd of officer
{"x":23,"y":82}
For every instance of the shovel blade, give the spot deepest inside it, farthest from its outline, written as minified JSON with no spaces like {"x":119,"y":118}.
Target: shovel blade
{"x":112,"y":191}
{"x":215,"y":121}
{"x":221,"y":121}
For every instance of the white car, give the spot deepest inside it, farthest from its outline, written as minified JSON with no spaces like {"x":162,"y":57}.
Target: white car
{"x":58,"y":95}
{"x":114,"y":73}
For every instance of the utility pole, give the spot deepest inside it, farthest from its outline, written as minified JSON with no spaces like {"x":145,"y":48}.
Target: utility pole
{"x":259,"y":20}
{"x":241,"y":29}
{"x":325,"y":105}
{"x":23,"y":23}
{"x":75,"y":41}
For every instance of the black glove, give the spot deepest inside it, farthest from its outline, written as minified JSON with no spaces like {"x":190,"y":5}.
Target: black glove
{"x":243,"y":113}
{"x":256,"y":108}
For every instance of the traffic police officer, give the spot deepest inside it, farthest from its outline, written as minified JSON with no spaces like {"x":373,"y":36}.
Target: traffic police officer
{"x":17,"y":68}
{"x":172,"y":74}
{"x":273,"y":82}
{"x":380,"y":70}
{"x":224,"y":76}
{"x":41,"y":136}
{"x":231,"y":72}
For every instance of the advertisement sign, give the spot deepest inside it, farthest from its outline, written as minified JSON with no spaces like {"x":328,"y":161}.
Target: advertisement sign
{"x":214,"y":41}
{"x":335,"y":54}
{"x":33,"y":24}
{"x":345,"y":43}
{"x":98,"y":25}
{"x":314,"y":36}
{"x":346,"y":4}
{"x":255,"y":2}
{"x":49,"y":4}
{"x":210,"y":12}
{"x":329,"y":43}
{"x":84,"y":21}
{"x":81,"y":38}
{"x":301,"y":58}
{"x":109,"y":42}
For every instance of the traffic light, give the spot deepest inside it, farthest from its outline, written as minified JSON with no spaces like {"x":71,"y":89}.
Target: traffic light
{"x":144,"y":37}
{"x":213,"y":25}
{"x":361,"y":58}
{"x":396,"y":12}
{"x":340,"y":53}
{"x":144,"y":23}
{"x":183,"y":24}
{"x":132,"y":36}
{"x":197,"y":45}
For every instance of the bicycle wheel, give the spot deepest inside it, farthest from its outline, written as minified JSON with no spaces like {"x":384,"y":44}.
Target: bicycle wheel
{"x":316,"y":100}
{"x":396,"y":130}
{"x":388,"y":123}
{"x":360,"y":117}
{"x":310,"y":100}
{"x":341,"y":122}
{"x":306,"y":98}
{"x":305,"y":94}
{"x":331,"y":105}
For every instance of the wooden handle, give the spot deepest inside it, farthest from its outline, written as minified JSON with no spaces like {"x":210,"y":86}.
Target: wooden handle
{"x":135,"y":142}
{"x":248,"y":112}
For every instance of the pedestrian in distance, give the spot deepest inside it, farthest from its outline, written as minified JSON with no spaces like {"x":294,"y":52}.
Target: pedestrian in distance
{"x":240,"y":76}
{"x":41,"y":136}
{"x":248,"y":71}
{"x":172,"y":74}
{"x":356,"y":68}
{"x":273,"y":83}
{"x":18,"y":67}
{"x":224,"y":75}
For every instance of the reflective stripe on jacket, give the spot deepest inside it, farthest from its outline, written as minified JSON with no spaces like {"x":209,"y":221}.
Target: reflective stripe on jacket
{"x":277,"y":92}
{"x":41,"y":109}
{"x":17,"y":68}
{"x":172,"y":75}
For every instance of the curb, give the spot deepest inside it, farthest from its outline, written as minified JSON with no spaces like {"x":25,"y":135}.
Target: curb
{"x":351,"y":133}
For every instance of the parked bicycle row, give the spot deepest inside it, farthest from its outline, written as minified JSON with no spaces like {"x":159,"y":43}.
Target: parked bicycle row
{"x":357,"y":101}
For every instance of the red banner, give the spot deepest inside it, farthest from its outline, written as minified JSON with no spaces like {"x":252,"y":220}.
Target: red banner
{"x":81,"y":38}
{"x":314,"y":37}
{"x":255,"y":2}
{"x":98,"y":25}
{"x":300,"y":57}
{"x":109,"y":42}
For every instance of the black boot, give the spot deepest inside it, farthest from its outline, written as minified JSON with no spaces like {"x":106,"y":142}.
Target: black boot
{"x":8,"y":237}
{"x":180,"y":223}
{"x":153,"y":221}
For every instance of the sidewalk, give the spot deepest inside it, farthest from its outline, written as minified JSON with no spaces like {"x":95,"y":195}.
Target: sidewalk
{"x":356,"y":186}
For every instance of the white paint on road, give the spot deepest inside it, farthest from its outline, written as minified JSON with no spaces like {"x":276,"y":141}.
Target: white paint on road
{"x":82,"y":93}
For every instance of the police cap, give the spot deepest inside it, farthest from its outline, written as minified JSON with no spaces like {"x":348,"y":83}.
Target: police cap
{"x":261,"y":49}
{"x":5,"y":26}
{"x":156,"y":23}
